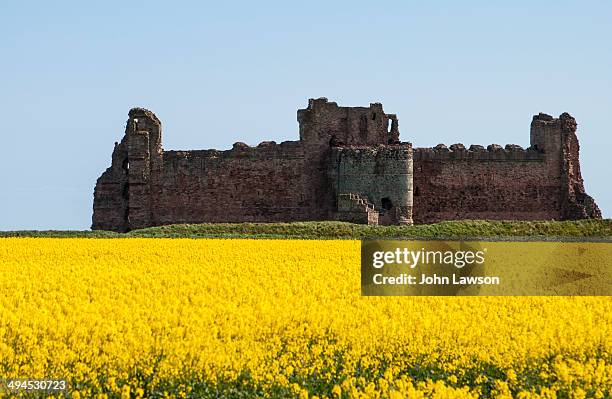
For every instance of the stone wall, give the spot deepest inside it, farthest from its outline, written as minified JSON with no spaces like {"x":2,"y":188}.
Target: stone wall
{"x":324,"y":121}
{"x":478,"y":183}
{"x":541,"y":182}
{"x":111,"y":194}
{"x":255,"y":184}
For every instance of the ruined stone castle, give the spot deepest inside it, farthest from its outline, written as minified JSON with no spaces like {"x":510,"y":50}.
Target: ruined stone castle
{"x":350,"y":165}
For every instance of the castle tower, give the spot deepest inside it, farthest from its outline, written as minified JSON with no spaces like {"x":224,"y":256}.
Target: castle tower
{"x":323,"y":121}
{"x":369,"y":172}
{"x":145,"y":163}
{"x":123,"y":197}
{"x":557,"y":138}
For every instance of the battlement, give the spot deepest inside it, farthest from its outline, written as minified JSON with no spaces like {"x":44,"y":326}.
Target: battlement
{"x":493,"y":152}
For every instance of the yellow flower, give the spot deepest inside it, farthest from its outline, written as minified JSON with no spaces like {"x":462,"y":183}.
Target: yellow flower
{"x":277,"y":317}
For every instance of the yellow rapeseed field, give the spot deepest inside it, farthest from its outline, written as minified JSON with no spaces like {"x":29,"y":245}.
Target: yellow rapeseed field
{"x":273,"y":318}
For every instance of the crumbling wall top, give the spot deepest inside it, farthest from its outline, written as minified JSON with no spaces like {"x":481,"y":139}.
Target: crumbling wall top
{"x":139,"y":112}
{"x":564,"y":120}
{"x":493,"y":152}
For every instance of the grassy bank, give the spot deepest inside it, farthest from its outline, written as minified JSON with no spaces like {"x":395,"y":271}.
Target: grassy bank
{"x":340,"y":230}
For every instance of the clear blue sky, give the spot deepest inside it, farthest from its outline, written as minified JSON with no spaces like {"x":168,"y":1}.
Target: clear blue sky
{"x":220,"y":72}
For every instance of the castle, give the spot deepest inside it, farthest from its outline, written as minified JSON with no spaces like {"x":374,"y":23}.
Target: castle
{"x":350,"y":165}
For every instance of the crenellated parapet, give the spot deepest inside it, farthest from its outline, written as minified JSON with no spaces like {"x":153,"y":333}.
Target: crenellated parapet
{"x":493,"y":152}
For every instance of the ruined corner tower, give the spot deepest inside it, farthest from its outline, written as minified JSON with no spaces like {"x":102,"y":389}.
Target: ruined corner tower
{"x":556,"y":137}
{"x":123,"y":196}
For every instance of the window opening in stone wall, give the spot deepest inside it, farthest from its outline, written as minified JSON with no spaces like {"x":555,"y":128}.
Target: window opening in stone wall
{"x":386,"y":203}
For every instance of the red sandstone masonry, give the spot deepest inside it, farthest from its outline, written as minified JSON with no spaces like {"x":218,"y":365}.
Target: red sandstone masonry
{"x":345,"y":156}
{"x":243,"y":184}
{"x":497,"y":183}
{"x":542,"y":182}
